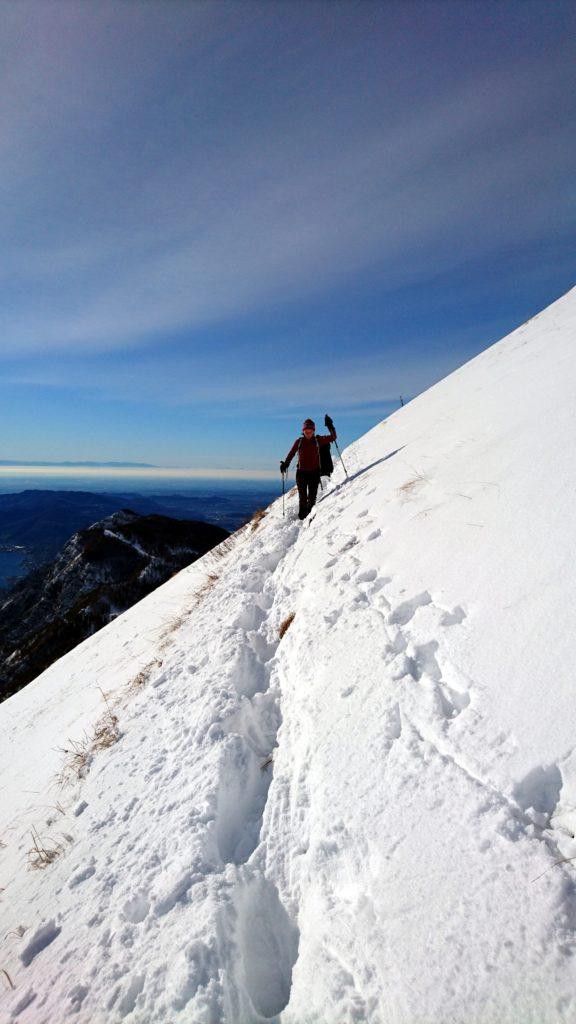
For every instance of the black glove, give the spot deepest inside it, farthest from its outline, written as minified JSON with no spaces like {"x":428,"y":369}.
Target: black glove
{"x":329,"y":422}
{"x":283,"y":467}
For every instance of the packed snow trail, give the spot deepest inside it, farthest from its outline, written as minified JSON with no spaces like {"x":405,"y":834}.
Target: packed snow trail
{"x":362,"y":820}
{"x":214,"y":716}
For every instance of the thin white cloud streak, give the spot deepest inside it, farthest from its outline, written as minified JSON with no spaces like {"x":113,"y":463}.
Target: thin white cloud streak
{"x":345,"y":382}
{"x":184,"y":235}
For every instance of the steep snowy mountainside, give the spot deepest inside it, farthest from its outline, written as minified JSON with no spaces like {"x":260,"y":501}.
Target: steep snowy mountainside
{"x":101,"y":571}
{"x":365,"y":813}
{"x":490,"y":454}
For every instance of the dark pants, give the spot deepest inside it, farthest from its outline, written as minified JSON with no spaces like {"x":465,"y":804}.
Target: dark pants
{"x":307,"y":481}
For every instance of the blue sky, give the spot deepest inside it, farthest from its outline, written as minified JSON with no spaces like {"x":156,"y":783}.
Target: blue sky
{"x":219,"y":218}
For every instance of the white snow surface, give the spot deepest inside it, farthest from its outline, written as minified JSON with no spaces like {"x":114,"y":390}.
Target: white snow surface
{"x":370,"y":819}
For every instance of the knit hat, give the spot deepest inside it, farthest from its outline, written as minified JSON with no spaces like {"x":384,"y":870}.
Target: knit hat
{"x":308,"y":423}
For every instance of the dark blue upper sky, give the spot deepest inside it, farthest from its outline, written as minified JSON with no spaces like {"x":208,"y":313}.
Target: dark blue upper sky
{"x":218,"y":218}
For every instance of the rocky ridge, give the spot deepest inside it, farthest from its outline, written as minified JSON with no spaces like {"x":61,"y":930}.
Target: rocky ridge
{"x":100,"y":572}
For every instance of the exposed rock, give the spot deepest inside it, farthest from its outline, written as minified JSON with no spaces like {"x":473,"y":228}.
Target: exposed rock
{"x":100,"y":572}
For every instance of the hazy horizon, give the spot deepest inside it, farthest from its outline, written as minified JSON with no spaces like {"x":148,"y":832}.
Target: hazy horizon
{"x":20,"y":471}
{"x":145,"y":485}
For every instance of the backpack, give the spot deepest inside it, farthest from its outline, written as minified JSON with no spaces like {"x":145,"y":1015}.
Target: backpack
{"x":325,"y":456}
{"x":326,"y":464}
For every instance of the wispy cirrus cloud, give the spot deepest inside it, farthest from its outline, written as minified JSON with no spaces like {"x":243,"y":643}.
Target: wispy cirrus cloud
{"x":231,"y":385}
{"x":166,"y":173}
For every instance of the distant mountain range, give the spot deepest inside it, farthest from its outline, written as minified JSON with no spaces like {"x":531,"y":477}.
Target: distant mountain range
{"x":43,"y":520}
{"x":101,"y":571}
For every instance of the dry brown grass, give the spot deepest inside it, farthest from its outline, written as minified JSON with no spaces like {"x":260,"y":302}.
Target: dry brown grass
{"x":79,"y":754}
{"x":171,"y":628}
{"x":229,"y":543}
{"x":285,"y":625}
{"x":76,"y":760}
{"x":53,"y":817}
{"x":223,"y":548}
{"x":106,"y":732}
{"x":44,"y":850}
{"x":7,"y":977}
{"x":556,"y":864}
{"x":257,"y":517}
{"x":410,"y":485}
{"x":144,"y":674}
{"x":211,"y":579}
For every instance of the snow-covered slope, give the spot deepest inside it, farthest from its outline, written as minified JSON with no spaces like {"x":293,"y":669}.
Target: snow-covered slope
{"x":369,"y":819}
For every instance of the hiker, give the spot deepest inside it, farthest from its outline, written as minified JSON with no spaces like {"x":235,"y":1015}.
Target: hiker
{"x":308,"y":471}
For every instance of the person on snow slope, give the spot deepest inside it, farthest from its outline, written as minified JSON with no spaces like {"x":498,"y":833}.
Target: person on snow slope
{"x":308,"y":471}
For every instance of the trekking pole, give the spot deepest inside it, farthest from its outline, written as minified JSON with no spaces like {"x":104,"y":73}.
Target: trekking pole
{"x":341,"y":459}
{"x":283,"y":508}
{"x":330,"y":424}
{"x":319,"y":466}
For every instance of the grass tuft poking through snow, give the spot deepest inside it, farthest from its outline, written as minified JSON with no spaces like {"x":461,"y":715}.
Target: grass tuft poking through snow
{"x":257,"y":517}
{"x":78,"y":756}
{"x":410,"y":485}
{"x":285,"y":625}
{"x":144,"y":674}
{"x":211,"y":579}
{"x":43,"y":851}
{"x":106,"y":732}
{"x":224,"y":548}
{"x":7,"y":978}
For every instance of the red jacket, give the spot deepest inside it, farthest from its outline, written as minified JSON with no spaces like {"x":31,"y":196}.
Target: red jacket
{"x":307,"y":448}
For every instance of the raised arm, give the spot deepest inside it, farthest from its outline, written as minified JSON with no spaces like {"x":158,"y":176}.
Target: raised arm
{"x":328,"y":438}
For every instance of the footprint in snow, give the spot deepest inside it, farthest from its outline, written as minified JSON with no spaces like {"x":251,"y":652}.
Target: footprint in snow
{"x":331,"y":618}
{"x":349,"y":544}
{"x":367,"y":576}
{"x":83,"y":874}
{"x":423,"y":666}
{"x":406,"y":611}
{"x":24,"y":1002}
{"x":42,"y":937}
{"x":540,"y":790}
{"x":378,"y":584}
{"x":76,"y":997}
{"x":130,"y":995}
{"x":136,"y":909}
{"x":454,"y":617}
{"x":450,"y":702}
